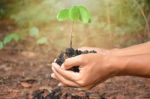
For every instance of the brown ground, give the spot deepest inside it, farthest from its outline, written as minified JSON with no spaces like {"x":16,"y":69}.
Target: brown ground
{"x":24,"y":73}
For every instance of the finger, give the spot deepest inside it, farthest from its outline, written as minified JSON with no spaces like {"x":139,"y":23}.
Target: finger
{"x":53,"y":76}
{"x":65,"y":73}
{"x":55,"y":60}
{"x":90,"y":86}
{"x":73,"y":61}
{"x":87,"y":87}
{"x":64,"y":80}
{"x":85,"y":48}
{"x":61,"y":84}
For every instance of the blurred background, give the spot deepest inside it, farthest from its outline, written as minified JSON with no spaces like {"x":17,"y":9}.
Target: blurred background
{"x":31,"y":38}
{"x":32,"y":25}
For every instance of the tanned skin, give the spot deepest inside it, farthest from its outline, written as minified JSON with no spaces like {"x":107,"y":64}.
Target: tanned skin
{"x":98,"y":67}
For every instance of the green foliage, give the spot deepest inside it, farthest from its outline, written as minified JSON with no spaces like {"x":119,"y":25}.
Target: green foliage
{"x":63,"y":15}
{"x":74,"y":13}
{"x":2,"y":13}
{"x":34,"y":32}
{"x":114,"y":17}
{"x":1,"y":45}
{"x":11,"y":37}
{"x":42,"y":41}
{"x":85,"y":16}
{"x":28,"y":13}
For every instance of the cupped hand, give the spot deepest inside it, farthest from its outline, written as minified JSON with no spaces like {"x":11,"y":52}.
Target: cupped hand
{"x":94,"y":68}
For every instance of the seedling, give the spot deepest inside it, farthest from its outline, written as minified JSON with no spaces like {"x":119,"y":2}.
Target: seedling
{"x":9,"y":38}
{"x":73,"y":14}
{"x":35,"y":33}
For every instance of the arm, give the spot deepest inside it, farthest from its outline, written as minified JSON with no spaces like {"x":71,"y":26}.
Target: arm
{"x":133,"y":50}
{"x":136,"y":65}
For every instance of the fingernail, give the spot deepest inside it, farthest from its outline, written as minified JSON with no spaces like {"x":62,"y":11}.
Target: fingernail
{"x":59,"y":84}
{"x":53,"y":68}
{"x":52,"y":75}
{"x":54,"y":60}
{"x":53,"y":63}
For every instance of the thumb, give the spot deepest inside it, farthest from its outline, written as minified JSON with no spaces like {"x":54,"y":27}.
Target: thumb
{"x":73,"y":61}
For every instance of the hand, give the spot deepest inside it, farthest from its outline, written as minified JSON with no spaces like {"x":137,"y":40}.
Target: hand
{"x":94,"y":68}
{"x":97,"y":67}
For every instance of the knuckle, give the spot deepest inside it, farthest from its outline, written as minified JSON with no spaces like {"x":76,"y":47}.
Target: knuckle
{"x":76,"y":78}
{"x":81,"y":58}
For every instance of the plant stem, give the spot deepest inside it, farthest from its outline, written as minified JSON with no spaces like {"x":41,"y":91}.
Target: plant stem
{"x":70,"y":33}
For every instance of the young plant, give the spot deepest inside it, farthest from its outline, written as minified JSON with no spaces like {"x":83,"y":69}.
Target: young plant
{"x":74,"y":14}
{"x":35,"y":33}
{"x":9,"y":38}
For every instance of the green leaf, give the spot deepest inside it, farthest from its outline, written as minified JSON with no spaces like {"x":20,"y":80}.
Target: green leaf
{"x":10,"y":37}
{"x":42,"y":41}
{"x":63,"y":15}
{"x":85,"y":16}
{"x":34,"y":32}
{"x":7,"y":39}
{"x":74,"y":13}
{"x":1,"y":45}
{"x":15,"y":37}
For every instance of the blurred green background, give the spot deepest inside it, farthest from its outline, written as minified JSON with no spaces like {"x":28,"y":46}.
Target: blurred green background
{"x":115,"y":23}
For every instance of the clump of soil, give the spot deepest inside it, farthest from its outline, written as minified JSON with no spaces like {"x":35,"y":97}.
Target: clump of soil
{"x":70,"y":52}
{"x":66,"y":93}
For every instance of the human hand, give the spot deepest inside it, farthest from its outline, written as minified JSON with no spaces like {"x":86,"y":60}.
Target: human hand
{"x":94,"y":68}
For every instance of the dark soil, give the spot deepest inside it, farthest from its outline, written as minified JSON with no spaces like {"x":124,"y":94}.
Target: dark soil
{"x":70,"y":52}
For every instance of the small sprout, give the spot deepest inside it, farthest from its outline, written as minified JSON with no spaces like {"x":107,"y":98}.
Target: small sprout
{"x":34,"y":32}
{"x":10,"y":37}
{"x":75,"y":13}
{"x":1,"y":45}
{"x":42,"y":41}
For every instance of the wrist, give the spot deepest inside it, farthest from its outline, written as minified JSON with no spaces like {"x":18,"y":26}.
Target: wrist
{"x":117,"y":52}
{"x":118,"y":63}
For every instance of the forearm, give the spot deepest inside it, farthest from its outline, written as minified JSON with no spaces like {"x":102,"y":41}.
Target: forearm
{"x":135,"y":65}
{"x":133,"y":50}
